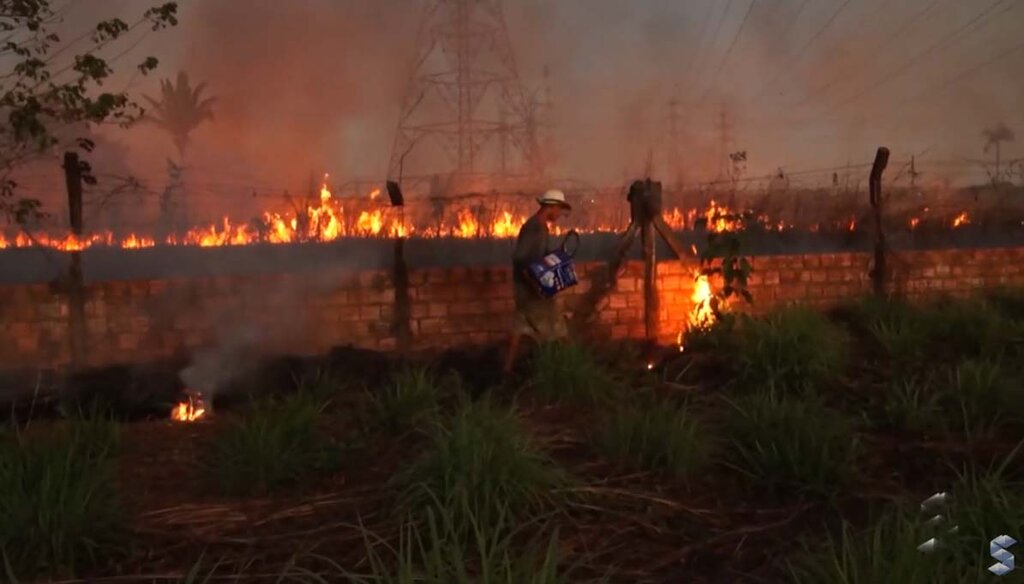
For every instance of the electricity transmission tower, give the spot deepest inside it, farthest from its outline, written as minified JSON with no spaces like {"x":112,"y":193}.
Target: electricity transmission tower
{"x":674,"y":165}
{"x":726,"y":144}
{"x":464,"y":96}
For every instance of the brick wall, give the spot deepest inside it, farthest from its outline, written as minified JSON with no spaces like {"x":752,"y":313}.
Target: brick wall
{"x":135,"y":321}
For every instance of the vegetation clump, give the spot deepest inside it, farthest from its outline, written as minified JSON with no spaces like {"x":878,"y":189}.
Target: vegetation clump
{"x":656,"y":436}
{"x":60,"y":511}
{"x":790,"y":444}
{"x":480,"y":465}
{"x":277,"y":442}
{"x":569,"y":372}
{"x":793,"y":349}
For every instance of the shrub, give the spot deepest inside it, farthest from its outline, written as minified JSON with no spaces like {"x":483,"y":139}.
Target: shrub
{"x":411,"y":398}
{"x":790,"y":444}
{"x":275,"y":443}
{"x":567,"y":371}
{"x":658,"y":436}
{"x":792,"y":348}
{"x":57,"y":499}
{"x":483,"y":457}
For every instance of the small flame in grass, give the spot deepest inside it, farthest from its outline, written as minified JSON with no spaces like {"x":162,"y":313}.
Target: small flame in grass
{"x":190,"y":410}
{"x":914,"y":221}
{"x":962,"y":219}
{"x":374,"y":194}
{"x":701,"y":316}
{"x":650,"y":366}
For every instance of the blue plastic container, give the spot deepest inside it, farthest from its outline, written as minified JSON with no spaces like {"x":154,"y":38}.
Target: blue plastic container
{"x":555,"y":272}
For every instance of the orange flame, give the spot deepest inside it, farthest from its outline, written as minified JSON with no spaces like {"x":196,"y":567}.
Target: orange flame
{"x":188,"y":411}
{"x":325,"y":220}
{"x":701,"y":315}
{"x":719,"y":218}
{"x":962,"y":219}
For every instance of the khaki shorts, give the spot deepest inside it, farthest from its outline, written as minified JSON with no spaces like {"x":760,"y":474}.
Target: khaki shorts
{"x":543,"y":321}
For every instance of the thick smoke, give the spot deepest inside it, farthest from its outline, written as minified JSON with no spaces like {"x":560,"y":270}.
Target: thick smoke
{"x":315,"y":85}
{"x":241,"y":337}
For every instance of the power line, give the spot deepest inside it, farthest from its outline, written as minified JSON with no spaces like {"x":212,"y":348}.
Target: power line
{"x":803,"y":49}
{"x":714,"y":40}
{"x":728,"y":52}
{"x":898,"y":33}
{"x":941,"y":44}
{"x":694,"y":55}
{"x":942,"y":87}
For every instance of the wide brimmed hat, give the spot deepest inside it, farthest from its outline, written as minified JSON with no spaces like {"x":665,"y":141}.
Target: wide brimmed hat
{"x":554,"y":197}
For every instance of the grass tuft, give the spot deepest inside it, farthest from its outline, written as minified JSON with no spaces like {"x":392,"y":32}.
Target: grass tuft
{"x":1010,"y":303}
{"x":410,"y":399}
{"x":57,"y":499}
{"x":569,"y":372}
{"x":793,"y":348}
{"x":984,"y":398}
{"x":885,"y":553}
{"x":484,"y":457}
{"x":274,"y":444}
{"x":985,"y":504}
{"x":791,"y":444}
{"x":910,"y":404}
{"x":897,"y":328}
{"x":968,"y":328}
{"x":658,"y":436}
{"x":431,"y":551}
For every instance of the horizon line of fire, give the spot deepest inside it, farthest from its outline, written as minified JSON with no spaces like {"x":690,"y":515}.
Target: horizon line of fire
{"x":328,"y":221}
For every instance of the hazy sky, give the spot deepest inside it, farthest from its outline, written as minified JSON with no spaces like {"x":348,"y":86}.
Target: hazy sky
{"x":311,"y":85}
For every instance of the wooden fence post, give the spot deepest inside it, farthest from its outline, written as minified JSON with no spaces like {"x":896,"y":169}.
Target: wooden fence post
{"x":879,"y":272}
{"x":75,"y":277}
{"x":651,"y":209}
{"x":402,"y":323}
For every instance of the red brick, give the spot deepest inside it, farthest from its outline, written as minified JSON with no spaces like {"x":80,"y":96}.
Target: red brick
{"x":617,"y":301}
{"x":497,"y":305}
{"x":428,"y":326}
{"x":672,"y":283}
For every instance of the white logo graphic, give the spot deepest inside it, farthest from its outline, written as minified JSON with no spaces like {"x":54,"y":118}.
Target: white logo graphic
{"x":1004,"y":559}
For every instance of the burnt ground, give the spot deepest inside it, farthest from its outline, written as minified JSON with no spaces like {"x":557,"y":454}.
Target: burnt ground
{"x":637,"y":526}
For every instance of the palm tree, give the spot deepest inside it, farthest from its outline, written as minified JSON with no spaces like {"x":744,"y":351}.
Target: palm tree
{"x":994,"y":136}
{"x":181,"y":109}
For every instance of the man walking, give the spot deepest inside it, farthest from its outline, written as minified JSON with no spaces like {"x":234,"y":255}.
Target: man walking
{"x":536,"y":317}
